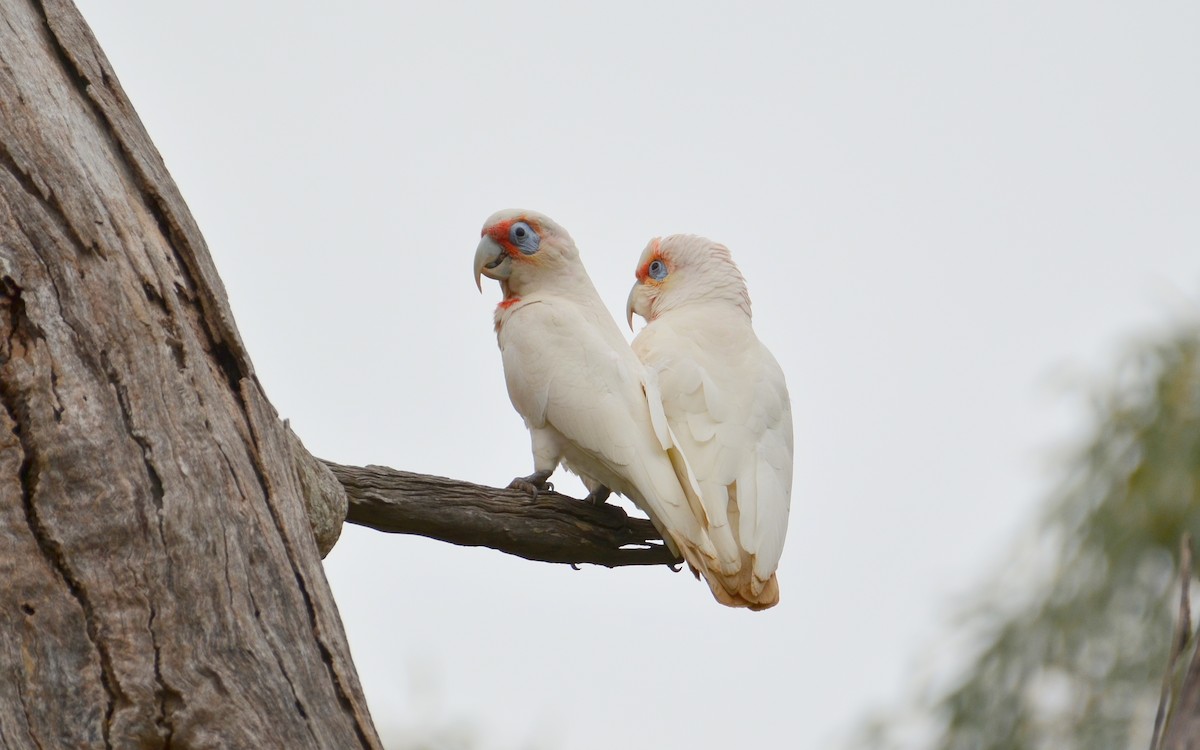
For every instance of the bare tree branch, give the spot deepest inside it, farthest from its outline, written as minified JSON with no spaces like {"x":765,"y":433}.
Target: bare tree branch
{"x":550,"y":528}
{"x":1177,"y":722}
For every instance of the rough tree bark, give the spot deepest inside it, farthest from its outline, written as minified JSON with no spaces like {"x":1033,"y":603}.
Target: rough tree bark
{"x":160,"y":584}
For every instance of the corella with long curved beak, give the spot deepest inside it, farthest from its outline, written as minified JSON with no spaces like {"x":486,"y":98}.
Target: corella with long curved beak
{"x":726,"y":403}
{"x":584,"y":396}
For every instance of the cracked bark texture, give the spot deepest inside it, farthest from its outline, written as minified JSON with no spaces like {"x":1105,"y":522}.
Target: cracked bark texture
{"x":161,"y":585}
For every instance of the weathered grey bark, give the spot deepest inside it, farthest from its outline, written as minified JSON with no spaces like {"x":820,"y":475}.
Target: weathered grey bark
{"x":325,"y":501}
{"x":160,"y":584}
{"x":549,"y":528}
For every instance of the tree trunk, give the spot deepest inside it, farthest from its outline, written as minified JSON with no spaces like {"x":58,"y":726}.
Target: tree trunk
{"x":161,"y":586}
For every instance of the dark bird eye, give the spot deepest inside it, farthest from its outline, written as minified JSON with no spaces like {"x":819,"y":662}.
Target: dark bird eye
{"x":523,"y":236}
{"x":658,"y":270}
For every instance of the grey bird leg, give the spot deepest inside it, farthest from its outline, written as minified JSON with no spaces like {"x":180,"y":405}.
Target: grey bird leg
{"x":534,"y":483}
{"x":598,"y":495}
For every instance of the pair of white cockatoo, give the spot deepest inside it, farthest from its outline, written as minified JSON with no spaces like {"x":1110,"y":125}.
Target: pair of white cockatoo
{"x":693,"y":423}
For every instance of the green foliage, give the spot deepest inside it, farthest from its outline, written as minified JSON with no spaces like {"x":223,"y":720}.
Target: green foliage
{"x":1077,"y":660}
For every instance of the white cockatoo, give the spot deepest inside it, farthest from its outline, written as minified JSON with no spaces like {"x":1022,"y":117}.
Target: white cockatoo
{"x":726,"y":403}
{"x":582,"y":392}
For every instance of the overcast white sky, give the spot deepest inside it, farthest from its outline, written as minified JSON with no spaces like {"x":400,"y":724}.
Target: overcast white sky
{"x":939,"y":208}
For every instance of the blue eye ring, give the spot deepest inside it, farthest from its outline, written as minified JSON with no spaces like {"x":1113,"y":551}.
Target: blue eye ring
{"x":657,"y":270}
{"x":522,"y":236}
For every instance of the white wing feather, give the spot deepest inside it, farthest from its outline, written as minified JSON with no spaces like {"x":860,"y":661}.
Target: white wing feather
{"x":726,"y":401}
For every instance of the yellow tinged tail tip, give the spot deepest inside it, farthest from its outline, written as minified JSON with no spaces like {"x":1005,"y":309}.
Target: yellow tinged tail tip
{"x":740,"y":589}
{"x":744,"y":597}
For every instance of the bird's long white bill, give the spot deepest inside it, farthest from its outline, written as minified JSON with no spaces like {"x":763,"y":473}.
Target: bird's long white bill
{"x":491,"y":261}
{"x":636,"y":303}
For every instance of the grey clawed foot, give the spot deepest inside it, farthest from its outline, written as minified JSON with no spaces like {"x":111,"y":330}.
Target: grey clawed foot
{"x":598,"y":495}
{"x":533,"y":484}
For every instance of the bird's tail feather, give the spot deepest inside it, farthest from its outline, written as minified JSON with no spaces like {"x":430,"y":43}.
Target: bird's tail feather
{"x":742,"y":589}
